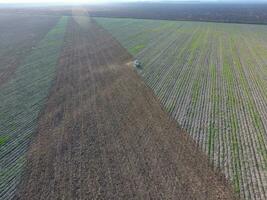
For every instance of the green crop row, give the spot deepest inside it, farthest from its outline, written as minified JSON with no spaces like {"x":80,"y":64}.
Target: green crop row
{"x":21,"y":100}
{"x":211,"y":78}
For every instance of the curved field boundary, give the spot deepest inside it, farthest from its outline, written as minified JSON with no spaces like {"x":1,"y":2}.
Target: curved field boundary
{"x":211,"y":78}
{"x":103,"y":134}
{"x":21,"y":100}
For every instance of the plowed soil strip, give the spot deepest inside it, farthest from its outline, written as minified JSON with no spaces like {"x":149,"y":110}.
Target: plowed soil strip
{"x":103,"y":135}
{"x":19,"y":36}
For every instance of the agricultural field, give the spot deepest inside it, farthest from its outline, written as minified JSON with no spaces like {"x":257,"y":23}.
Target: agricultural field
{"x":246,"y":12}
{"x":211,"y":78}
{"x":28,"y":59}
{"x":19,"y":35}
{"x":79,"y":121}
{"x":103,"y":134}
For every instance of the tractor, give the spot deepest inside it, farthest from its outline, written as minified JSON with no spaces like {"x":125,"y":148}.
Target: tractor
{"x":137,"y":64}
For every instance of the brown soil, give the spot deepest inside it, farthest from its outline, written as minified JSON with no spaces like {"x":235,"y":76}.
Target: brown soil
{"x":18,"y":36}
{"x":103,"y":134}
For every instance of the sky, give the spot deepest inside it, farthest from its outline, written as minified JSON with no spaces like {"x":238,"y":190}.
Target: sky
{"x":104,"y":1}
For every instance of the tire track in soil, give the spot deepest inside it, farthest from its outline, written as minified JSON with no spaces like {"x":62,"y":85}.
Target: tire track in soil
{"x":103,"y":134}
